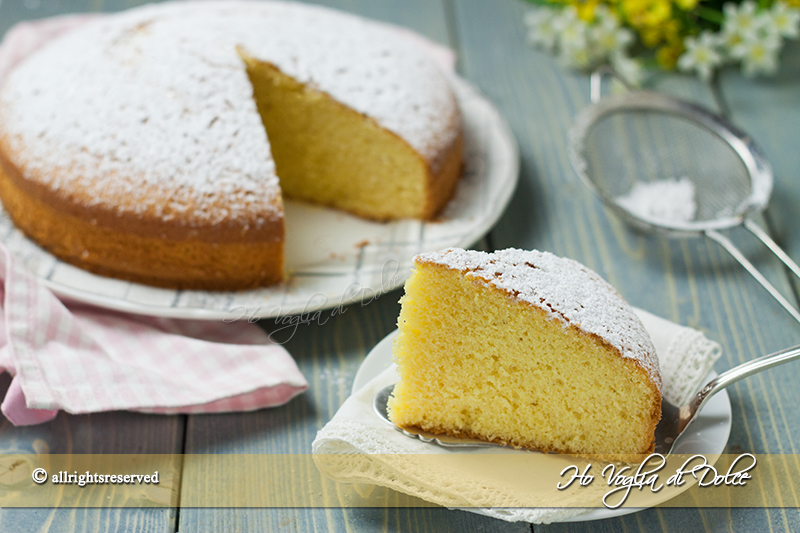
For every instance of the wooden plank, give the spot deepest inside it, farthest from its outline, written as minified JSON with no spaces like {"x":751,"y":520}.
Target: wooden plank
{"x":97,"y":433}
{"x":117,"y":432}
{"x":691,"y":282}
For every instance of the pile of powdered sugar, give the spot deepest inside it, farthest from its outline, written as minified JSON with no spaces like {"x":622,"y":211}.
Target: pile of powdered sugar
{"x":670,"y":201}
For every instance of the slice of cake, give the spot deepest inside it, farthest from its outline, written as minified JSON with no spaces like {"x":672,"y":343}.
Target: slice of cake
{"x":524,"y":348}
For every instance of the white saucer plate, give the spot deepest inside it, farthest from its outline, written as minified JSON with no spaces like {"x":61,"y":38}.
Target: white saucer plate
{"x":332,"y":258}
{"x":707,"y":435}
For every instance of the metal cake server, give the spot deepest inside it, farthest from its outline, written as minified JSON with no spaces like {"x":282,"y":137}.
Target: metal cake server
{"x":674,"y":420}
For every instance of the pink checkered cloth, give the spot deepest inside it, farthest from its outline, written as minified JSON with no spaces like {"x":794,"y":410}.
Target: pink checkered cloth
{"x":81,"y":359}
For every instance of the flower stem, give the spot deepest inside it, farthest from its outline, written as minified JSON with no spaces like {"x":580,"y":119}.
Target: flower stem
{"x":711,"y":15}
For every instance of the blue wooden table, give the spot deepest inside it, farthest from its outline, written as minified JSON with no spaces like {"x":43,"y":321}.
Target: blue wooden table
{"x":692,"y":282}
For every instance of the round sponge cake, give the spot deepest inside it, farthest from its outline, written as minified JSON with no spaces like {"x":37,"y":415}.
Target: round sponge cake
{"x":139,"y":145}
{"x":524,"y":348}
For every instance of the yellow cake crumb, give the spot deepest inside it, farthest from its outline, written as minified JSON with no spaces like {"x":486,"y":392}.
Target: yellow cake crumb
{"x":474,"y":360}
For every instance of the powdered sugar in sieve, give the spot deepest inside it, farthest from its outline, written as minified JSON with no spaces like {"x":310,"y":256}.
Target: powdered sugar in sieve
{"x":670,"y":200}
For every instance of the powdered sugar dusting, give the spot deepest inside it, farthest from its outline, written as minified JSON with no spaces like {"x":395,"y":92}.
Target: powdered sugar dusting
{"x":565,"y":290}
{"x":669,"y":201}
{"x":155,"y":102}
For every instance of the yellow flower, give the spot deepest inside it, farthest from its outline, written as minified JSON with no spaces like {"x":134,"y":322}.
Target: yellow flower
{"x":634,"y":8}
{"x":667,"y":56}
{"x":672,"y":31}
{"x":585,"y":8}
{"x":651,"y":37}
{"x":659,"y":11}
{"x":668,"y":32}
{"x":647,"y":13}
{"x":688,"y":5}
{"x":652,"y":19}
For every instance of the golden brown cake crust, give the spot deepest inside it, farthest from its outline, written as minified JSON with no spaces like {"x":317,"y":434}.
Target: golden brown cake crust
{"x":79,"y":200}
{"x":219,"y":258}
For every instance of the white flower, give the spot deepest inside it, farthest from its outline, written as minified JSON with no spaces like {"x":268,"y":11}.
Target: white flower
{"x":727,"y":41}
{"x":755,"y":37}
{"x":541,"y":31}
{"x":608,"y":38}
{"x":758,"y":55}
{"x":767,"y":29}
{"x":572,"y":30}
{"x":576,"y":56}
{"x":741,"y":20}
{"x":563,"y":30}
{"x":629,"y":69}
{"x":785,"y":20}
{"x":701,"y":55}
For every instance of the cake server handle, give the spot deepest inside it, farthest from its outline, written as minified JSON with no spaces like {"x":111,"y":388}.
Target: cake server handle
{"x":675,"y":420}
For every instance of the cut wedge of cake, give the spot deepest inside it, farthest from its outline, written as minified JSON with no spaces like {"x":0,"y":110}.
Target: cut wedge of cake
{"x":527,"y":349}
{"x":330,"y":154}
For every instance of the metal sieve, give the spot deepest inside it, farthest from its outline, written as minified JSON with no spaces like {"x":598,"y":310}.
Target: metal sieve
{"x":671,"y":167}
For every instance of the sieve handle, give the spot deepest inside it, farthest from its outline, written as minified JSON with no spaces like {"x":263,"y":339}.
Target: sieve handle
{"x":596,"y":82}
{"x":756,"y":230}
{"x":716,"y":93}
{"x":596,"y":88}
{"x":739,"y":256}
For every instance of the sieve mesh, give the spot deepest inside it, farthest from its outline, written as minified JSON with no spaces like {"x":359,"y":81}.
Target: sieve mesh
{"x":629,"y":146}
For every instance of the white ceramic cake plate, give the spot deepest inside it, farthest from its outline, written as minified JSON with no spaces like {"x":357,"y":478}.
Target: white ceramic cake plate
{"x":332,"y":258}
{"x":707,"y":435}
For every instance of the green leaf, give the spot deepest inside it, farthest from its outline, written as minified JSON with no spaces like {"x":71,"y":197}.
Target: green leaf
{"x":711,"y":15}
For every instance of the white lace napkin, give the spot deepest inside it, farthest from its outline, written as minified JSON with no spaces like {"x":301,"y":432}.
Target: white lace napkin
{"x":686,"y":357}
